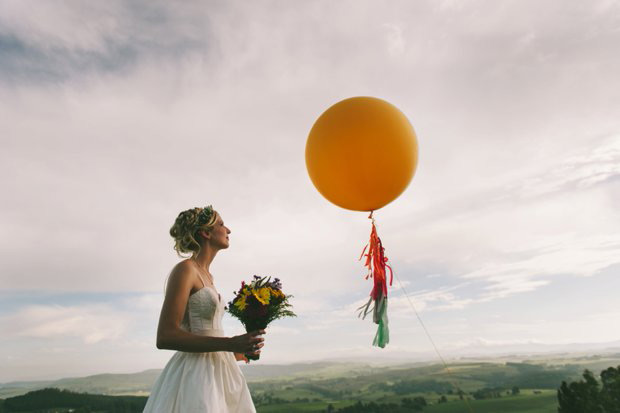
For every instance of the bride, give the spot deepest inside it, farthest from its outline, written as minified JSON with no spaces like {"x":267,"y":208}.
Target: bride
{"x":202,"y":376}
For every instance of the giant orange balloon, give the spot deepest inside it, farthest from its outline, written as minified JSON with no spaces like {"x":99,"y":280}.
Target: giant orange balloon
{"x":361,"y":153}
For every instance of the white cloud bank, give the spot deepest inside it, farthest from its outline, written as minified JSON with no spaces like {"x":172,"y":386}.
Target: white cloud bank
{"x":116,"y":116}
{"x":90,"y":324}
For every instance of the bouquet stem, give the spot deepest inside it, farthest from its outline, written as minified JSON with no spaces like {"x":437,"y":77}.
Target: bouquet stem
{"x":254,"y":327}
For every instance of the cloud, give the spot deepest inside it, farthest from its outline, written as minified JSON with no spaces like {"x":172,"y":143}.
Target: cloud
{"x":535,"y":268}
{"x":91,"y":323}
{"x":109,"y":333}
{"x":124,"y":153}
{"x":66,"y":41}
{"x":547,"y":221}
{"x":595,"y":165}
{"x":394,"y":38}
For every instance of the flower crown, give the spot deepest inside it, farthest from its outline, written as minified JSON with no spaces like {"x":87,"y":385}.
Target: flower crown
{"x":205,"y":216}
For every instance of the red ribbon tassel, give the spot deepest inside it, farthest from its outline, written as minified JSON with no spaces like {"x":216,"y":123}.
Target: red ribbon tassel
{"x":376,"y":262}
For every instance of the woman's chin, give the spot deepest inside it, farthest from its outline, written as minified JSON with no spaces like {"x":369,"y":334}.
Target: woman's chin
{"x":222,"y":246}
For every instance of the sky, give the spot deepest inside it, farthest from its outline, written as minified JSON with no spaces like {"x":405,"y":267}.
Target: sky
{"x":115,"y":116}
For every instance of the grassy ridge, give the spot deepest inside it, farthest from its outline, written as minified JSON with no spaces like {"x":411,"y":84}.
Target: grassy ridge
{"x":109,"y":384}
{"x":537,"y":383}
{"x":499,"y":387}
{"x":497,"y":370}
{"x":545,"y":402}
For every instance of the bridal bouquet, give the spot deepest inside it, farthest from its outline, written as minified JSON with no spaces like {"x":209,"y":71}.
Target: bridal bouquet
{"x":259,"y":303}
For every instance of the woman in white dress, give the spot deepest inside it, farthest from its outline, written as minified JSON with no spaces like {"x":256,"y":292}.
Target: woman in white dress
{"x":203,"y":375}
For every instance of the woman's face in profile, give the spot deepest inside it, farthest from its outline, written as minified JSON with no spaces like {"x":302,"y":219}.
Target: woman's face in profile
{"x":219,"y":234}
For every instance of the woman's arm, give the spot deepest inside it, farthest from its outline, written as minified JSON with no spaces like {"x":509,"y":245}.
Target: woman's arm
{"x":170,"y":336}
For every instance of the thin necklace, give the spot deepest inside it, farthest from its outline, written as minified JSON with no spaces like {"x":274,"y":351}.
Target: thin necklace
{"x":209,"y":277}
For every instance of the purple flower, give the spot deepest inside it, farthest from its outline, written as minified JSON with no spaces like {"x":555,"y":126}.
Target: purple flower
{"x":277,"y":284}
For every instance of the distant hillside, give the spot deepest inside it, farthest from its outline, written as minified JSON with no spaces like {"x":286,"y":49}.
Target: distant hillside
{"x":139,"y":384}
{"x":111,"y":384}
{"x":17,"y":388}
{"x":488,"y":387}
{"x":107,"y":384}
{"x":258,"y":372}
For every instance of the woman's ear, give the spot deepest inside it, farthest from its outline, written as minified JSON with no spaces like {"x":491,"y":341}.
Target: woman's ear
{"x":205,"y":234}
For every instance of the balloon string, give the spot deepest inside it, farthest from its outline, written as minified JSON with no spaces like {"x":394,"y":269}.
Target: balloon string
{"x":376,"y":250}
{"x":453,"y":380}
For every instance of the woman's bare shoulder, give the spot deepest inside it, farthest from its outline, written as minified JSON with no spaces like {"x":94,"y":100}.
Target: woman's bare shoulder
{"x":184,"y":272}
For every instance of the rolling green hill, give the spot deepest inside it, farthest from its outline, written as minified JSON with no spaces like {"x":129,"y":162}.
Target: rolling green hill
{"x":108,"y":384}
{"x":141,"y":383}
{"x":487,"y":386}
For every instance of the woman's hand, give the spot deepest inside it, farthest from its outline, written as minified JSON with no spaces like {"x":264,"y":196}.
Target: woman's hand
{"x":248,"y":343}
{"x":241,"y":357}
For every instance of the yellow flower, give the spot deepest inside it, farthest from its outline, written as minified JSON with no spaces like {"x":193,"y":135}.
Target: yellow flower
{"x":275,"y":293}
{"x":240,"y":303}
{"x":262,"y":295}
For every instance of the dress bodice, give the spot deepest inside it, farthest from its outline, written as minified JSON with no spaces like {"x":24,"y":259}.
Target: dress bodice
{"x":204,"y":312}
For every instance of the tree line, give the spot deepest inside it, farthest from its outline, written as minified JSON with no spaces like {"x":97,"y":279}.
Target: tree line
{"x":45,"y":399}
{"x":588,"y":395}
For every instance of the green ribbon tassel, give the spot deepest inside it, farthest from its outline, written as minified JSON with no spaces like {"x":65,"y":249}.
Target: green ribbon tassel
{"x":379,"y":316}
{"x":382,"y":338}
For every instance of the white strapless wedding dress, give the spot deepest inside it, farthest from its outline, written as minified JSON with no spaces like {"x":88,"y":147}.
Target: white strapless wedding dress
{"x":201,"y":382}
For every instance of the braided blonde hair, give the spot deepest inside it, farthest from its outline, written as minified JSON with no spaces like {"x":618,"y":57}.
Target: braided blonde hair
{"x":187,"y":227}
